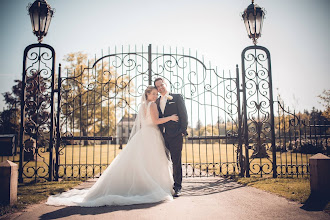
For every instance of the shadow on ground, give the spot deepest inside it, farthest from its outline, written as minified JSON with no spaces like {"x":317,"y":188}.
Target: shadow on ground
{"x":316,"y":202}
{"x":74,"y":210}
{"x":207,"y":186}
{"x":191,"y":187}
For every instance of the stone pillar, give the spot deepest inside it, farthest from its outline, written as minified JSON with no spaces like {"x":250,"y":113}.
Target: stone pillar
{"x":320,"y":174}
{"x":8,"y":182}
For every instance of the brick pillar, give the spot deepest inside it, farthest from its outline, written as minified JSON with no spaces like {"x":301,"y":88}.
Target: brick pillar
{"x":8,"y":182}
{"x":320,"y":174}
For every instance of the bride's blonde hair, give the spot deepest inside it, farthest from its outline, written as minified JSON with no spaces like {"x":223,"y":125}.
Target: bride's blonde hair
{"x":148,"y":91}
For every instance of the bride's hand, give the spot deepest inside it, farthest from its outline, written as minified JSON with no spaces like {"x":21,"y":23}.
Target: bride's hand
{"x":174,"y":118}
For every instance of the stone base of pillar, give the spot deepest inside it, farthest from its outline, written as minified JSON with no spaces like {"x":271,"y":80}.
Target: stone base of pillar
{"x":320,"y":174}
{"x":8,"y":182}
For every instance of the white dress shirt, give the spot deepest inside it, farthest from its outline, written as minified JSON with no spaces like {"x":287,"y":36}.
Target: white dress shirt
{"x":163,"y":100}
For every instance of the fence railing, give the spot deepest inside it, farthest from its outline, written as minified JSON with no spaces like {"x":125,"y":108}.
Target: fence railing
{"x":298,"y":137}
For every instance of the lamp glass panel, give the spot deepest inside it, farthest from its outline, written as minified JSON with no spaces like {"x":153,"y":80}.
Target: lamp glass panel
{"x":43,"y":17}
{"x":32,"y":21}
{"x":36,"y":20}
{"x":258,"y":22}
{"x":261,"y":24}
{"x":252,"y":23}
{"x":49,"y":18}
{"x":247,"y":26}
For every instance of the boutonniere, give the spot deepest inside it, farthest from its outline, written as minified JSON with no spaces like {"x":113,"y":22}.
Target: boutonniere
{"x":169,"y":97}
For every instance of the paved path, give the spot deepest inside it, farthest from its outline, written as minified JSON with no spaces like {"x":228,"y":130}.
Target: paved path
{"x":202,"y":198}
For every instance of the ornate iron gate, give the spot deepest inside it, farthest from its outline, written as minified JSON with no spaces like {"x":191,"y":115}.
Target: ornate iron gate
{"x":98,"y":103}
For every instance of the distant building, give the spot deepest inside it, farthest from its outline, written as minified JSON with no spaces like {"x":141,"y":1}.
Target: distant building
{"x":124,"y":128}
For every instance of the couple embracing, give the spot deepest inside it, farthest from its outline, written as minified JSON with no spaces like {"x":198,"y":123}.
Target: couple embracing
{"x":149,"y":168}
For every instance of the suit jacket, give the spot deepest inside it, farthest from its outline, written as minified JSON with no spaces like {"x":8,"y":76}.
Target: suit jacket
{"x":174,"y":106}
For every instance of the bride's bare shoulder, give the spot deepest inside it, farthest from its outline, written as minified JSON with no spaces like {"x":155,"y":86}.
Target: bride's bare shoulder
{"x":153,"y":105}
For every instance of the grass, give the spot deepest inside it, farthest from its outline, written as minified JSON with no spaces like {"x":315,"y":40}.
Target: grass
{"x":294,"y":189}
{"x":32,"y":193}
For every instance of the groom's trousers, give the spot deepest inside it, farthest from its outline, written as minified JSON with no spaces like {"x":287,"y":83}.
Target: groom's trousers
{"x":174,"y":145}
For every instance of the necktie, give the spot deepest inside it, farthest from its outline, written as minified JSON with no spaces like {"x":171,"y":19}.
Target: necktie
{"x":163,"y":103}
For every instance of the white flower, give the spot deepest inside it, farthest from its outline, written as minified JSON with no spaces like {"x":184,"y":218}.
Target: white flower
{"x":169,"y":97}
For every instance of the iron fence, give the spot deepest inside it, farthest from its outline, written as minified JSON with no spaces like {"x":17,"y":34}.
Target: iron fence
{"x":298,"y":137}
{"x":74,"y":123}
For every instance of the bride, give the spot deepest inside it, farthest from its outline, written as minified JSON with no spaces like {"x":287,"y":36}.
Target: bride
{"x":141,"y":173}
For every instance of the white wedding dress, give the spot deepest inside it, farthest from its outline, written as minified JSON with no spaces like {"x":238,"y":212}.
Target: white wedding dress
{"x":141,"y":173}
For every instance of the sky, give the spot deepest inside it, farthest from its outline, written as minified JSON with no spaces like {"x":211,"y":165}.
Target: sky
{"x":296,"y":32}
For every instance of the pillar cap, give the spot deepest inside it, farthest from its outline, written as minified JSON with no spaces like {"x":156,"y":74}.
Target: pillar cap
{"x":8,"y":163}
{"x":319,"y":156}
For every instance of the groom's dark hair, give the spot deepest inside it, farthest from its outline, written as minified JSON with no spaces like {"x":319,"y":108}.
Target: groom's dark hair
{"x":157,"y":79}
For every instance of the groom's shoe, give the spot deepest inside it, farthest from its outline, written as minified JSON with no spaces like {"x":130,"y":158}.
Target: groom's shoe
{"x":177,"y":193}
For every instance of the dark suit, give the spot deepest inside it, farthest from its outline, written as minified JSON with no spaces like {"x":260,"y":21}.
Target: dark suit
{"x":173,"y":133}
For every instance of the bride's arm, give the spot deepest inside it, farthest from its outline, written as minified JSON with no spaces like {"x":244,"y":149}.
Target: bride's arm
{"x":155,"y":116}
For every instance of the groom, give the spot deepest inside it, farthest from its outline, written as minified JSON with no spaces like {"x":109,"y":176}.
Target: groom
{"x":173,"y":132}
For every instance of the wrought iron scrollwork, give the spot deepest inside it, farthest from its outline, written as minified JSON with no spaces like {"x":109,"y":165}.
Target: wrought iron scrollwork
{"x":37,"y":109}
{"x":258,"y":111}
{"x":108,"y":90}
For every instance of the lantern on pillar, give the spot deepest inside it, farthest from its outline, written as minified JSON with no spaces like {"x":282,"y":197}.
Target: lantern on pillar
{"x":41,"y":14}
{"x":253,"y":17}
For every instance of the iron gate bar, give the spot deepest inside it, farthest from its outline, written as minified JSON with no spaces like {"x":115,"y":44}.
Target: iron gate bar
{"x":220,"y":137}
{"x":58,"y":134}
{"x":245,"y":127}
{"x":319,"y":126}
{"x":313,"y":135}
{"x":240,"y":124}
{"x":149,"y":65}
{"x":52,"y":130}
{"x":87,"y":138}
